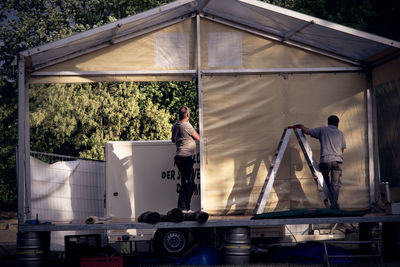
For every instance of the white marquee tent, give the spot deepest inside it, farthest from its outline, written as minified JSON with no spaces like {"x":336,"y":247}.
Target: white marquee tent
{"x":259,"y":68}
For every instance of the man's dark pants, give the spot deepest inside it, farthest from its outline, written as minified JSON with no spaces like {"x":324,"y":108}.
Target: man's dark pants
{"x":332,"y":172}
{"x":185,"y":167}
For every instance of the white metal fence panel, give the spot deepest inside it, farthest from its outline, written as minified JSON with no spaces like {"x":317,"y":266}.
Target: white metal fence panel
{"x":65,"y":189}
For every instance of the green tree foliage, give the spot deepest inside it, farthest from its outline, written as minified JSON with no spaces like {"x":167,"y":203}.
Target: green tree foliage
{"x":8,"y":136}
{"x":29,"y":23}
{"x":170,"y":96}
{"x":78,"y":119}
{"x":354,"y":13}
{"x":386,"y":21}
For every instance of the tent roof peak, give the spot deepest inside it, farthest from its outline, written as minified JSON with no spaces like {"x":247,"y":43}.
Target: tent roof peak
{"x":284,"y":25}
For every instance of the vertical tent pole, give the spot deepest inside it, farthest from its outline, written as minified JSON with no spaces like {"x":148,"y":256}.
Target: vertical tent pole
{"x":23,"y":144}
{"x":27,"y":138}
{"x":371,"y":161}
{"x":200,"y":99}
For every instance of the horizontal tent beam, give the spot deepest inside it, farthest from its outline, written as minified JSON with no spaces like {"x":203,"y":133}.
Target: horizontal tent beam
{"x":280,"y":70}
{"x":101,"y":73}
{"x":110,"y":76}
{"x":193,"y":72}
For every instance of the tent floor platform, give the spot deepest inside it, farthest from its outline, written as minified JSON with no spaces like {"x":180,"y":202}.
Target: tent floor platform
{"x":213,"y":221}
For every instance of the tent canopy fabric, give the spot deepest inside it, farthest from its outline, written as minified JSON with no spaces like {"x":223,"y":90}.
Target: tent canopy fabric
{"x":267,"y":20}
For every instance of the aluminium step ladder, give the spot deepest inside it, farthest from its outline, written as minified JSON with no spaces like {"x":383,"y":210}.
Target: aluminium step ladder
{"x":276,"y":162}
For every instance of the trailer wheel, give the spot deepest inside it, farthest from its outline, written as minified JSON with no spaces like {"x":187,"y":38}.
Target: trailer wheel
{"x":171,"y":242}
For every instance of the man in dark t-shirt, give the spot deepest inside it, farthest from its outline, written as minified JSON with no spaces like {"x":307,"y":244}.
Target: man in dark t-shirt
{"x":185,"y":136}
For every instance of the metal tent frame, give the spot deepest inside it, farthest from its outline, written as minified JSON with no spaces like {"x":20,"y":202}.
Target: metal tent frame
{"x":362,"y":50}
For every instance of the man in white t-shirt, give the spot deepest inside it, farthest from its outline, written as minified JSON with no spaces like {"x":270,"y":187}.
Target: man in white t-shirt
{"x":185,"y":136}
{"x":332,"y":143}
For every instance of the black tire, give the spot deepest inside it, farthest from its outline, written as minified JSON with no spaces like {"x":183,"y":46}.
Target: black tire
{"x":171,"y":242}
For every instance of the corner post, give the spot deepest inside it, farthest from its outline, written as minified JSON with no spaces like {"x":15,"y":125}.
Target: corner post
{"x":371,"y":152}
{"x":200,"y":99}
{"x":23,"y":151}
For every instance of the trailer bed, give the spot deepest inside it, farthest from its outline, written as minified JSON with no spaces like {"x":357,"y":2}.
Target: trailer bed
{"x":213,"y":221}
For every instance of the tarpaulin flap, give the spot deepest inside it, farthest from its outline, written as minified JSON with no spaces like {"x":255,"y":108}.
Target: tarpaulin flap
{"x":386,"y":79}
{"x":307,"y":213}
{"x":244,"y":118}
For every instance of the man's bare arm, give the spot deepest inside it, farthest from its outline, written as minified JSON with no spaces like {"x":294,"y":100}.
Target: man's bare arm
{"x":305,"y":129}
{"x":196,"y":136}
